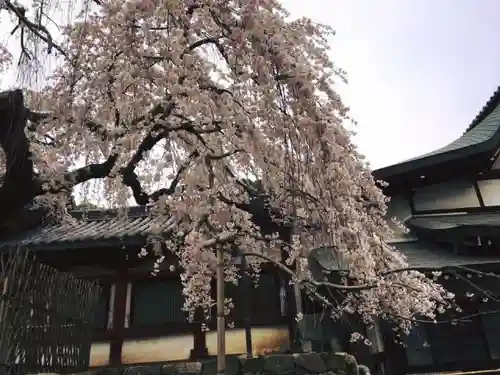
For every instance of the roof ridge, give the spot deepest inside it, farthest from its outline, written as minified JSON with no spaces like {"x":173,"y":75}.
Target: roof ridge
{"x":486,"y":110}
{"x":95,"y":214}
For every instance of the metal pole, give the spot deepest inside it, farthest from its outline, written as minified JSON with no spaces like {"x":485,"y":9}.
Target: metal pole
{"x":297,"y":291}
{"x":247,"y":301}
{"x":221,"y":324}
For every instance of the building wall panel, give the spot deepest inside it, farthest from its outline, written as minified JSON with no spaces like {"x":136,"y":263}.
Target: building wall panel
{"x":264,"y":340}
{"x":449,"y":195}
{"x":398,"y":208}
{"x":490,"y":191}
{"x":99,"y":354}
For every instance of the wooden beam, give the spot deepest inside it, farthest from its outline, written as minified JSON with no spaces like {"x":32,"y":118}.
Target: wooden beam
{"x":478,"y":193}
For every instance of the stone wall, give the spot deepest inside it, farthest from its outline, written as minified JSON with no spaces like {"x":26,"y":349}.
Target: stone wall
{"x":279,"y":364}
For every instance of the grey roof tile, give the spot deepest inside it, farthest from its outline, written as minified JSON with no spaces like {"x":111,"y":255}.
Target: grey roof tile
{"x":419,"y":254}
{"x":92,"y":228}
{"x":426,"y":255}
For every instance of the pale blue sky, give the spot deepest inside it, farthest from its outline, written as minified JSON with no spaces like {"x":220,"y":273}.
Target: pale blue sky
{"x":419,"y":70}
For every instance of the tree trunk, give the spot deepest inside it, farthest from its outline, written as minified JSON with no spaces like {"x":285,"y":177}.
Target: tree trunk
{"x":18,"y":184}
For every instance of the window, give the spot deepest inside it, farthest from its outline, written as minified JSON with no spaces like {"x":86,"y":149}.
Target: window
{"x":157,"y":302}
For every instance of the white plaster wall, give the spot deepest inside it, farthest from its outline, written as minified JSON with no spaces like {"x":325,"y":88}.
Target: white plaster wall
{"x":178,"y":347}
{"x":490,"y":191}
{"x":99,"y":354}
{"x":448,"y":195}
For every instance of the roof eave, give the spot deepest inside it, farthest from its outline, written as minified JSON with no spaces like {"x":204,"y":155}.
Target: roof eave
{"x":419,"y":166}
{"x":132,"y":241}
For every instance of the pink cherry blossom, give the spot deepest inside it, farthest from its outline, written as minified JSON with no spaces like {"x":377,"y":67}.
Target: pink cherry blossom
{"x":200,"y":98}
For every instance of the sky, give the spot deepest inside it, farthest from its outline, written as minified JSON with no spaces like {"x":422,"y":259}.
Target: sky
{"x":419,"y":70}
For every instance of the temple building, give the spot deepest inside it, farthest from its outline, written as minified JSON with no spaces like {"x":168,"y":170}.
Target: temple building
{"x":139,"y":318}
{"x":449,"y":199}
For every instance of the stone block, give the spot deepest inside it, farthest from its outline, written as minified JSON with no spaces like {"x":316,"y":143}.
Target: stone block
{"x":143,"y":370}
{"x":310,"y":363}
{"x":274,"y":364}
{"x":252,"y":365}
{"x":279,"y":364}
{"x":209,"y":367}
{"x":109,"y":371}
{"x":341,"y":363}
{"x":233,"y":366}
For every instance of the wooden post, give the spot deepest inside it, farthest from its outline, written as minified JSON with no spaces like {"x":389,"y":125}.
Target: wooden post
{"x":119,"y":305}
{"x":221,"y":324}
{"x":297,"y":292}
{"x":200,"y":340}
{"x":247,"y":289}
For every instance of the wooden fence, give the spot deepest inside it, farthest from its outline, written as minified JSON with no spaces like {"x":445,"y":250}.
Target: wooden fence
{"x":45,"y":317}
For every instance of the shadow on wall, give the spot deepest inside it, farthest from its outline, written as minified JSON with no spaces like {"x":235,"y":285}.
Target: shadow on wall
{"x":264,"y":341}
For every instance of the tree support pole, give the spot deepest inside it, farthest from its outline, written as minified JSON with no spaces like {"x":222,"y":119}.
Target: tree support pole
{"x":221,"y":324}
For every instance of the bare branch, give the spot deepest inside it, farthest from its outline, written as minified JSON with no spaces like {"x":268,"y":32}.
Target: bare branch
{"x":37,"y":29}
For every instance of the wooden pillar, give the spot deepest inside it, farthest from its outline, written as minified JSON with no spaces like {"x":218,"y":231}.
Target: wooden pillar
{"x":221,"y":321}
{"x":200,"y":349}
{"x":119,"y":317}
{"x":247,"y":290}
{"x":290,"y":305}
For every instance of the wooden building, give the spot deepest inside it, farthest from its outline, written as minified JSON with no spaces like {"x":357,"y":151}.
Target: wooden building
{"x":450,"y":201}
{"x":139,"y":318}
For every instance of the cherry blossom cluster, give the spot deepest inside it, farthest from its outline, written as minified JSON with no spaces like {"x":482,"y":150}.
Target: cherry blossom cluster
{"x":5,"y":58}
{"x":198,"y":107}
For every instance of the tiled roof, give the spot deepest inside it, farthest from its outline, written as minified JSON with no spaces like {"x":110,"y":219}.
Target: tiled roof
{"x":442,"y":222}
{"x":92,"y":228}
{"x":425,"y":255}
{"x":98,"y":228}
{"x":480,"y":133}
{"x":490,"y":104}
{"x":420,"y":255}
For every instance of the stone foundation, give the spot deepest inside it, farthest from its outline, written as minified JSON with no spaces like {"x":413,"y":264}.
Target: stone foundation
{"x":279,"y":364}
